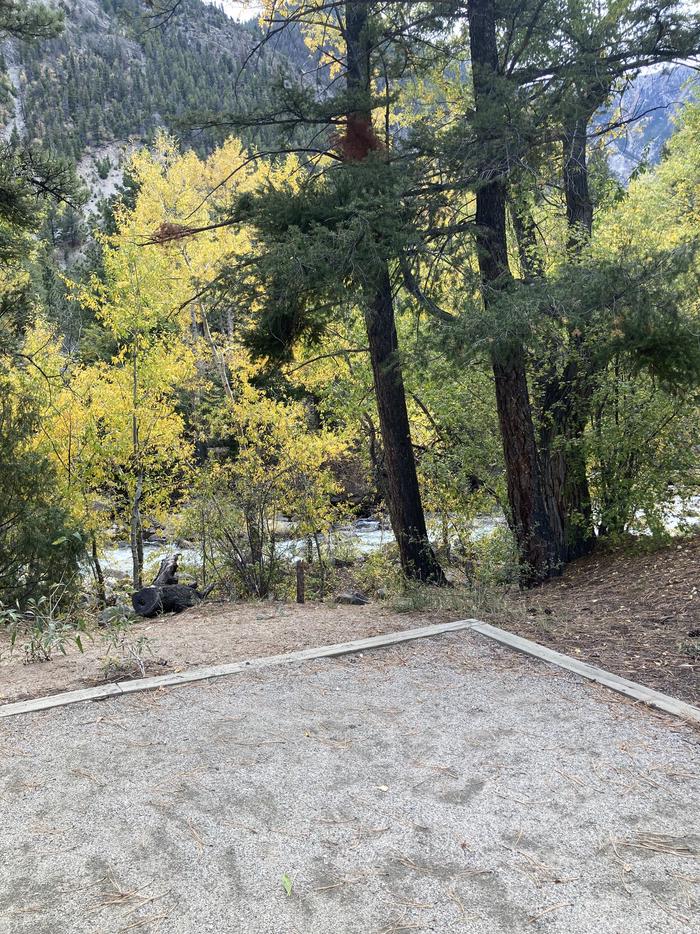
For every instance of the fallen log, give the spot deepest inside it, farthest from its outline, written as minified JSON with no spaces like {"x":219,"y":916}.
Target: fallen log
{"x":167,"y":572}
{"x":173,"y":598}
{"x":165,"y":594}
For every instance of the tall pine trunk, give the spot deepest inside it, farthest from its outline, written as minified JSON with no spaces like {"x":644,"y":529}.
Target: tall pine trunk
{"x":563,"y":459}
{"x":579,"y":206}
{"x":565,"y":400}
{"x":401,"y":486}
{"x":402,"y":491}
{"x":529,"y":519}
{"x":561,"y":397}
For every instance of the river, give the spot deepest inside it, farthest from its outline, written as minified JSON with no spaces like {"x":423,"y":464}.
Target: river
{"x":360,"y":538}
{"x":365,"y":536}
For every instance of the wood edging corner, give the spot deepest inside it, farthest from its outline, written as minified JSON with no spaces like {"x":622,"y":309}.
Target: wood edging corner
{"x":637,"y":692}
{"x":632,"y":689}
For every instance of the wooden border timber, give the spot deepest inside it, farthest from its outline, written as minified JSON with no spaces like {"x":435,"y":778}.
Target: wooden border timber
{"x":60,"y":700}
{"x":620,"y":685}
{"x":220,"y":671}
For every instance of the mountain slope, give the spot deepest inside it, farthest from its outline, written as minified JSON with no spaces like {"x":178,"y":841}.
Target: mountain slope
{"x":111,"y":77}
{"x":650,"y":104}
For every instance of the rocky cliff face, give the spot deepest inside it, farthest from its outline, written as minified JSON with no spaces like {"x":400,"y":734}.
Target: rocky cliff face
{"x":646,"y":110}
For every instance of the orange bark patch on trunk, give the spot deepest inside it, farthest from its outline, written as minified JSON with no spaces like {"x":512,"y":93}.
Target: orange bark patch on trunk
{"x":358,"y":140}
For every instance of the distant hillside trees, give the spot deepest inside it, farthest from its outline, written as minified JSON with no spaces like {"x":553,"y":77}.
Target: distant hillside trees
{"x":111,"y":76}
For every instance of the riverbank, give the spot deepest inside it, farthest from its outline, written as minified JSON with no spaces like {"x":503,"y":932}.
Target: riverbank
{"x":635,"y":613}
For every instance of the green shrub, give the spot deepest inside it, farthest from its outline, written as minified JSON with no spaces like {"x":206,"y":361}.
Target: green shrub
{"x":103,"y":167}
{"x":40,"y":546}
{"x":44,"y":626}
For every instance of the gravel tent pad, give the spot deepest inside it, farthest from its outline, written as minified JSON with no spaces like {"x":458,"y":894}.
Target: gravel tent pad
{"x":444,"y":786}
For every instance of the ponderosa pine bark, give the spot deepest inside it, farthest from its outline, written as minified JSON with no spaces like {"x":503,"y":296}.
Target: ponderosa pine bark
{"x":565,"y":395}
{"x":560,"y":409}
{"x":529,"y":518}
{"x":402,"y":489}
{"x":561,"y":435}
{"x":401,"y":479}
{"x":570,"y":413}
{"x":579,"y":206}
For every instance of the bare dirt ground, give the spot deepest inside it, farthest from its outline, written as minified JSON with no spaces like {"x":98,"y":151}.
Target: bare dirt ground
{"x":206,"y":635}
{"x":447,"y":786}
{"x":637,"y":615}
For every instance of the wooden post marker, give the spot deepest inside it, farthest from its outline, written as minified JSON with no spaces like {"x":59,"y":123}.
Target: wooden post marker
{"x":300,"y":566}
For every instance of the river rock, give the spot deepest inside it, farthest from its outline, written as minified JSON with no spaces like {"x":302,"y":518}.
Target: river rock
{"x":352,"y":598}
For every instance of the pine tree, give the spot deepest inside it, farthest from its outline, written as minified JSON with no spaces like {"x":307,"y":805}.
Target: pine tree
{"x":358,"y":216}
{"x":38,"y":544}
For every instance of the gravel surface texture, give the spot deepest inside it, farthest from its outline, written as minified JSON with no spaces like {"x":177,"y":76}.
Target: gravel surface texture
{"x":211,"y":634}
{"x":443,"y":786}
